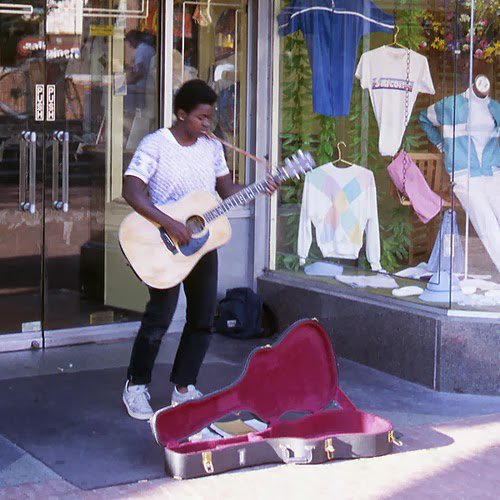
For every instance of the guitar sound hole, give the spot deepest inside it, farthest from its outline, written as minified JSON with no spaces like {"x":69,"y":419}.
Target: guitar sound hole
{"x":196,"y":224}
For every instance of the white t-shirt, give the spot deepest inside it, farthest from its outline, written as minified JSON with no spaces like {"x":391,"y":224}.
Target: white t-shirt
{"x":172,"y":171}
{"x":383,"y":72}
{"x":482,"y":124}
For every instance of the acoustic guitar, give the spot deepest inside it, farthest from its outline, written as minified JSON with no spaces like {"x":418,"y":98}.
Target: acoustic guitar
{"x":159,"y":261}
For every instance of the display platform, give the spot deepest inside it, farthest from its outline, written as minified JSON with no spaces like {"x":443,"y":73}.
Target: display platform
{"x":415,"y":342}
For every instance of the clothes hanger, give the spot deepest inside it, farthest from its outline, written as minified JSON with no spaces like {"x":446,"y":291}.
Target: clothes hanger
{"x":340,"y":159}
{"x":395,"y":40}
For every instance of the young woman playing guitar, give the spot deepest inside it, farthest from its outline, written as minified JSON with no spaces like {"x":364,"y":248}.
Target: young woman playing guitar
{"x":168,"y":165}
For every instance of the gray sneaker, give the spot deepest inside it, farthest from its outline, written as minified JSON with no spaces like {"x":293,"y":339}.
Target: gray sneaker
{"x":182,"y":397}
{"x":136,"y":399}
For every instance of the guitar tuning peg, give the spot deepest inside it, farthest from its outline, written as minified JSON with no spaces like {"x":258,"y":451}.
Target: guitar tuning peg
{"x":310,"y":160}
{"x":288,"y":166}
{"x":295,"y":161}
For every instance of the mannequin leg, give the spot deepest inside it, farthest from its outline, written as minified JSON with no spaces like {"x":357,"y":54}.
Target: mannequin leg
{"x":481,"y":213}
{"x":493,"y":190}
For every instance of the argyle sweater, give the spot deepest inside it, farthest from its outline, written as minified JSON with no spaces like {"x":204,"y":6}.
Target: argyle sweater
{"x":341,"y":204}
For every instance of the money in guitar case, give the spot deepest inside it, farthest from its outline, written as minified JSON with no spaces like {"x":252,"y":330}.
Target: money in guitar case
{"x":300,"y":376}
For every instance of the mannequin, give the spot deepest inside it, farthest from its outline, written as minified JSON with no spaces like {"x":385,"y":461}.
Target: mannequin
{"x":472,"y":155}
{"x":482,"y":124}
{"x":482,"y":86}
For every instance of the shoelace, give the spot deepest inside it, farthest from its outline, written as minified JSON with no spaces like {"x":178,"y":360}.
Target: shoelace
{"x":136,"y":396}
{"x":195,"y":394}
{"x":191,"y":394}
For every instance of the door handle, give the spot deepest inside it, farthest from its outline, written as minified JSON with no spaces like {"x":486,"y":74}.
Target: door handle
{"x":60,"y":138}
{"x":27,"y":172}
{"x":16,"y":8}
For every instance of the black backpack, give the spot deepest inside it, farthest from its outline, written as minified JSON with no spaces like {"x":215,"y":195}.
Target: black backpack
{"x":240,"y":314}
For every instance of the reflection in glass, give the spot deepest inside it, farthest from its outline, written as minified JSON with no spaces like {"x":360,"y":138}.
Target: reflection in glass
{"x":208,"y":45}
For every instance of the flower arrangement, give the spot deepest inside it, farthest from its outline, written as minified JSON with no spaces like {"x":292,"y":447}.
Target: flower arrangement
{"x":439,"y":29}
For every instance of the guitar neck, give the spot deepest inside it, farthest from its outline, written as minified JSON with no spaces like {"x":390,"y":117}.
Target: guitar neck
{"x":241,"y":197}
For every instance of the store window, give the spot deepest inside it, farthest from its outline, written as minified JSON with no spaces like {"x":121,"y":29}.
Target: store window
{"x":396,"y":101}
{"x":210,"y":42}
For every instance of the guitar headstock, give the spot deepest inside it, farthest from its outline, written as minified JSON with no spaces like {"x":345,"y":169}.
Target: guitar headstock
{"x":299,"y":163}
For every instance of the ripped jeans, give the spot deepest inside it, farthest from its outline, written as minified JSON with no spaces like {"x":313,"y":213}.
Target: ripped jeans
{"x":200,"y":287}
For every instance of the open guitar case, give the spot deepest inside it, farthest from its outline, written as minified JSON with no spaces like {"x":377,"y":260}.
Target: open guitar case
{"x":297,"y":375}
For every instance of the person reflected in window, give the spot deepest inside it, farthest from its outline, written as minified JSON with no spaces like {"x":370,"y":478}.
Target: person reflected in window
{"x":137,"y":75}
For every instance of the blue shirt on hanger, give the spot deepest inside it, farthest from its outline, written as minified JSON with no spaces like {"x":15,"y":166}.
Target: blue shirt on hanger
{"x":332,"y":29}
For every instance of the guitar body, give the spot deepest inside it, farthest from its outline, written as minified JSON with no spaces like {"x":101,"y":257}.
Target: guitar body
{"x":156,"y":259}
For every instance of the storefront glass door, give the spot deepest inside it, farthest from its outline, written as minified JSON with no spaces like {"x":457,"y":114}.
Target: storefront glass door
{"x":21,"y":212}
{"x":78,"y":90}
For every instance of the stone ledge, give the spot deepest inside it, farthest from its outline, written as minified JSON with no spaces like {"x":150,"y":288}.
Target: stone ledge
{"x":415,"y":342}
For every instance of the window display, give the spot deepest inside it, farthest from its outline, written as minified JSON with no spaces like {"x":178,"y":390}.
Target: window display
{"x":210,"y":42}
{"x":421,"y":223}
{"x":472,"y":154}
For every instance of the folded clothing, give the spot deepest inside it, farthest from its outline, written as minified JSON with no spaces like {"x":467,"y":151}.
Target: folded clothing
{"x":323,"y":269}
{"x":419,"y":271}
{"x":480,"y":284}
{"x":407,"y":291}
{"x":468,"y":289}
{"x":476,"y":300}
{"x":376,"y":281}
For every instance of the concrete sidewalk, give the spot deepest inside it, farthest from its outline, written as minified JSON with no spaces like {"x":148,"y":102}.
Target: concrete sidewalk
{"x":451,"y":441}
{"x":453,"y":460}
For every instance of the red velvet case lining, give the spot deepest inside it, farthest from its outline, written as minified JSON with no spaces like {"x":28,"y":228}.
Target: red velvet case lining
{"x":297,"y":374}
{"x":318,"y":426}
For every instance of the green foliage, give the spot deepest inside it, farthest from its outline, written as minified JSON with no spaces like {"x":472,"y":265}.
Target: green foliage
{"x":286,"y":261}
{"x":409,"y":14}
{"x":327,"y":145}
{"x":296,"y":96}
{"x":395,"y":239}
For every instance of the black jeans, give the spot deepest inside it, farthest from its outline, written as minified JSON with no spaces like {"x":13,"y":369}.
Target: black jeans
{"x":200,"y":287}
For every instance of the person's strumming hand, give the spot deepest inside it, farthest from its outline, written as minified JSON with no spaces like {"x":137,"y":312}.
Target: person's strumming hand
{"x":178,"y":231}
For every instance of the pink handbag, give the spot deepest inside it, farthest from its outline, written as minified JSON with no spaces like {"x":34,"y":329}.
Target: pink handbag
{"x":411,"y":183}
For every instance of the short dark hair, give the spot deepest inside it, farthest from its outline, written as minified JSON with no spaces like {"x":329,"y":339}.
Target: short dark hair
{"x":133,"y":36}
{"x":193,"y":93}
